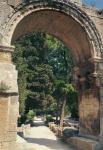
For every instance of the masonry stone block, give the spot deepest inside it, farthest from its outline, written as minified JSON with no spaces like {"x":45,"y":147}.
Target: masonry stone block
{"x":8,"y":75}
{"x":5,"y":57}
{"x":89,"y":111}
{"x":8,"y":119}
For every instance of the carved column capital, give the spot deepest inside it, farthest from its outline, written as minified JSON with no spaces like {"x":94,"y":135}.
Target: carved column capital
{"x":7,"y":48}
{"x":98,"y":70}
{"x":83,"y":80}
{"x":96,"y":61}
{"x":99,"y":83}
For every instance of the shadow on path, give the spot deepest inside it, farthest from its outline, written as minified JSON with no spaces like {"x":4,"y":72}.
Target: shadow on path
{"x":52,"y":144}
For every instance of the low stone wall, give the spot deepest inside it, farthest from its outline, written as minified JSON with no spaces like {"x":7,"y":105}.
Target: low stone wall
{"x":55,"y":128}
{"x":81,"y":143}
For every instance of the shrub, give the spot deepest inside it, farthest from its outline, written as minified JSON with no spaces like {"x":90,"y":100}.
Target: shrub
{"x":22,"y":120}
{"x":49,"y":119}
{"x":30,"y":115}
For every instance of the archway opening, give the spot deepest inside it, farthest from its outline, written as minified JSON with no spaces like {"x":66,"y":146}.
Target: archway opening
{"x":70,"y":24}
{"x":76,"y":38}
{"x":45,"y":69}
{"x":61,"y":26}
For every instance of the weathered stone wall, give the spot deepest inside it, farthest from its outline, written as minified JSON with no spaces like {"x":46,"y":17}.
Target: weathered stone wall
{"x":89,"y":110}
{"x":96,"y":17}
{"x":8,"y":119}
{"x":9,"y":108}
{"x":14,"y":2}
{"x":5,"y":10}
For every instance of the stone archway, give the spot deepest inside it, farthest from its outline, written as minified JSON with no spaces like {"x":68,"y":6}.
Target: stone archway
{"x":69,"y":23}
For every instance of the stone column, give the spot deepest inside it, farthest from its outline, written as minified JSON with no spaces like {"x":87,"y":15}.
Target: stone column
{"x":101,"y":109}
{"x":8,"y":99}
{"x":89,"y":102}
{"x":89,"y":112}
{"x":99,"y":146}
{"x":100,"y":80}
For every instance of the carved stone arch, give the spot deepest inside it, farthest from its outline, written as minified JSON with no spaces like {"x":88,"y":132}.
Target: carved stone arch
{"x":13,"y":3}
{"x":91,"y":97}
{"x":64,"y":6}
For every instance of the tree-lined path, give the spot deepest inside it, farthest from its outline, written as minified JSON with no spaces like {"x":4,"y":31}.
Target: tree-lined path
{"x":42,"y":138}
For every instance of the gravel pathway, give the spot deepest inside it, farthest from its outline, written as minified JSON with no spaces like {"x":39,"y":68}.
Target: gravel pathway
{"x":41,"y":138}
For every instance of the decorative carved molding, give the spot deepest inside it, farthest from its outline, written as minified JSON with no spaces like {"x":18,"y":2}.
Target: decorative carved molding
{"x":7,"y":49}
{"x":84,"y":81}
{"x":6,"y":54}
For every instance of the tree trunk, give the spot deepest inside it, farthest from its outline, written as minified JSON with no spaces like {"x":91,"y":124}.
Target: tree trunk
{"x":57,"y":112}
{"x":62,"y":113}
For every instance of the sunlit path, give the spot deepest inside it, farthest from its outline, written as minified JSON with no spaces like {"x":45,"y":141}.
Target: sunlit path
{"x":43,"y":139}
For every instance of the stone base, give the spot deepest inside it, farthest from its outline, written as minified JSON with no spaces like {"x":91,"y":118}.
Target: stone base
{"x":8,"y":145}
{"x":81,"y":143}
{"x":99,"y":146}
{"x":22,"y":144}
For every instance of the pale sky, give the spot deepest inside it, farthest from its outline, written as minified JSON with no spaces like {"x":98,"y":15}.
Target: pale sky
{"x":98,"y":3}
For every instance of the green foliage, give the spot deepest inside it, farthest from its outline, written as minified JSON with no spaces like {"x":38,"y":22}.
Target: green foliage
{"x":73,"y":104}
{"x":44,"y":67}
{"x":35,"y":75}
{"x":22,"y":120}
{"x":30,"y":115}
{"x":21,"y":65}
{"x":49,"y":118}
{"x":64,"y":89}
{"x":59,"y":57}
